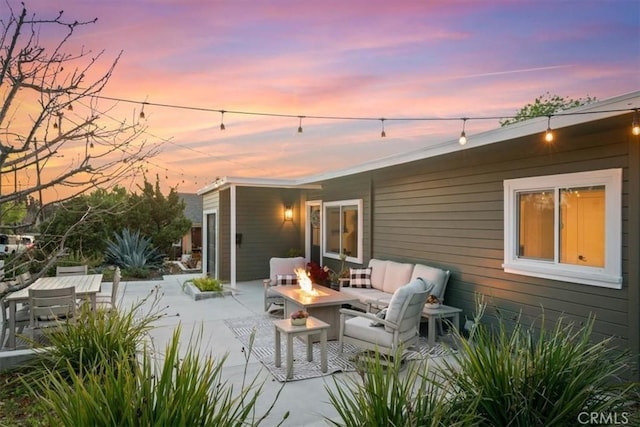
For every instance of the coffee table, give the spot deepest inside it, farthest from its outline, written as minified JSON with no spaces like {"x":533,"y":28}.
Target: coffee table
{"x":325,"y":306}
{"x":313,"y":327}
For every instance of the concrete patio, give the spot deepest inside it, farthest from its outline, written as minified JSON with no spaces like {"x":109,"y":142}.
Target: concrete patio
{"x":306,"y":400}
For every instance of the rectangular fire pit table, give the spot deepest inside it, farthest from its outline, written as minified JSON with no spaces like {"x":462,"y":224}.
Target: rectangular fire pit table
{"x":313,"y":327}
{"x":324,"y":306}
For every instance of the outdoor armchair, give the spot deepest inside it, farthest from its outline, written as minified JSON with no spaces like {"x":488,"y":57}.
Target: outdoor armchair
{"x":399,"y":328}
{"x":51,"y":308}
{"x":281,"y":272}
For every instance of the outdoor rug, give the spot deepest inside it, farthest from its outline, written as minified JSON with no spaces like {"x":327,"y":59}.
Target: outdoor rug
{"x":264,"y":350}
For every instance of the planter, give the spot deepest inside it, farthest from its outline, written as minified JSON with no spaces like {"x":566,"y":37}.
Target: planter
{"x":195,"y":293}
{"x":302,"y":321}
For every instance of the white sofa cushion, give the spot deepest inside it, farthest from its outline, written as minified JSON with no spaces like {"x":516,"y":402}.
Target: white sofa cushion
{"x":437,"y":276}
{"x":378,"y":267}
{"x":396,"y":274}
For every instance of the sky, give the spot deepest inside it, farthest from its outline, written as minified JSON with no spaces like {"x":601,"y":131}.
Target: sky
{"x":274,"y":61}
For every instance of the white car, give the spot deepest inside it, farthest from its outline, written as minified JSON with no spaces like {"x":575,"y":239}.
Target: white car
{"x":11,"y":244}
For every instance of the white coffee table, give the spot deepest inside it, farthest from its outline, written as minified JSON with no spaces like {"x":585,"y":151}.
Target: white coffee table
{"x":313,"y":327}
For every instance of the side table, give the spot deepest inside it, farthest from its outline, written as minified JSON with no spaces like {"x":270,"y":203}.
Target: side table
{"x":437,"y":314}
{"x":314,"y":326}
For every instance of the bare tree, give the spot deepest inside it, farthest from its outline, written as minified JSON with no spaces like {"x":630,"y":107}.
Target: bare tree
{"x":55,"y":138}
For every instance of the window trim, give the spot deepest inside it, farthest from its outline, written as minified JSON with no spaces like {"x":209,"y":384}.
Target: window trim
{"x":609,"y":276}
{"x":340,"y":203}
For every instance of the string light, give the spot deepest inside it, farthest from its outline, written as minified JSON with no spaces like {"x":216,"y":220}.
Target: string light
{"x":383,"y":133}
{"x":300,"y":125}
{"x":463,"y":135}
{"x":635,"y":127}
{"x":222,"y":126}
{"x":142,"y":115}
{"x":548,"y":135}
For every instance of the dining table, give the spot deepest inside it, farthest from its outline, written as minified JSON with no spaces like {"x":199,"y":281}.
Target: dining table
{"x":87,"y":287}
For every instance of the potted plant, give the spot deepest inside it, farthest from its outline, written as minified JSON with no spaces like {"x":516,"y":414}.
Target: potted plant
{"x":299,"y":318}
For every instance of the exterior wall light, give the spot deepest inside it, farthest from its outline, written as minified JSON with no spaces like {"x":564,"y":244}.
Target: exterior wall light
{"x":288,"y":213}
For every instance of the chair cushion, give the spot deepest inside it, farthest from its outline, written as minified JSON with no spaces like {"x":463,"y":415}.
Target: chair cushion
{"x":286,"y":279}
{"x":360,"y":277}
{"x":400,"y":297}
{"x":284,"y":266}
{"x":437,"y":276}
{"x":396,"y":275}
{"x":359,"y":327}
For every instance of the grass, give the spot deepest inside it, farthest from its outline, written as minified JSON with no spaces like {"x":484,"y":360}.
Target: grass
{"x":207,"y":284}
{"x":18,"y":406}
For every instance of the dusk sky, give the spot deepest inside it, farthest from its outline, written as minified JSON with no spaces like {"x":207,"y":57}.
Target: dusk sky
{"x":358,"y":59}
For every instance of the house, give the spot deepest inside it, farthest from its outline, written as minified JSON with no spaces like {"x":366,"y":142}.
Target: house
{"x":191,"y":243}
{"x":524,"y":222}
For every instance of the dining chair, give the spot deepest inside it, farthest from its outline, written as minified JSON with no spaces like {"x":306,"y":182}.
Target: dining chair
{"x":22,"y":320}
{"x":106,"y":301}
{"x":71,"y":270}
{"x":51,"y":308}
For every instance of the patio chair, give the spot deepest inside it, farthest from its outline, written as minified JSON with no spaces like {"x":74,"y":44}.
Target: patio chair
{"x":108,"y":301}
{"x":398,"y":329}
{"x":72,"y":270}
{"x":281,"y":272}
{"x":51,"y":308}
{"x":22,"y":317}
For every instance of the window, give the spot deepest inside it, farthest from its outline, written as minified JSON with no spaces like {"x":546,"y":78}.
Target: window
{"x":343,"y":229}
{"x":565,"y":227}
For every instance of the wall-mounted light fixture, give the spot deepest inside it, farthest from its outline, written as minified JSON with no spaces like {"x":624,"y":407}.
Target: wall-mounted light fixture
{"x":288,"y":213}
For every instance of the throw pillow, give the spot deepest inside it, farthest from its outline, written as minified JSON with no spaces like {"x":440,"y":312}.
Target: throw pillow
{"x":286,"y":279}
{"x":380,"y":315}
{"x":360,"y":277}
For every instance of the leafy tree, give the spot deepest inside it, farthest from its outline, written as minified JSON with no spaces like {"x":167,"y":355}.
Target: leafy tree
{"x":158,"y":217}
{"x":13,"y":212}
{"x":546,"y":105}
{"x":90,"y":238}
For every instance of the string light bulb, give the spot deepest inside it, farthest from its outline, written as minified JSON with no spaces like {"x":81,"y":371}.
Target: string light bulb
{"x":635,"y":126}
{"x":383,"y":134}
{"x":548,"y":135}
{"x":142,"y":115}
{"x":463,"y":135}
{"x":222,"y":126}
{"x":300,"y":125}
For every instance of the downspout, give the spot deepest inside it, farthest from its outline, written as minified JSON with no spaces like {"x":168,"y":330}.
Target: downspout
{"x":232,"y":236}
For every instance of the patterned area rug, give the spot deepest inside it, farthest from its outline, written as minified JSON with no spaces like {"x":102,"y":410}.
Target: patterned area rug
{"x":264,"y":350}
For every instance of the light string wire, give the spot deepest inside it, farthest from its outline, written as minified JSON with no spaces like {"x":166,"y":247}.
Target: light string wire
{"x":355,"y":118}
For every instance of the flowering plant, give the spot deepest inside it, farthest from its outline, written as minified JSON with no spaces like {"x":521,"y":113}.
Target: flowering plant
{"x":432,"y":299}
{"x":319,"y":275}
{"x":300,"y":314}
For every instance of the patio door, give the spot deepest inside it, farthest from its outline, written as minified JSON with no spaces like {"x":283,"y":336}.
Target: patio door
{"x":313,"y":231}
{"x":212,"y":253}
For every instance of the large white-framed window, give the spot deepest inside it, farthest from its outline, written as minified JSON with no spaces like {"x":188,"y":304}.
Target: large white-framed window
{"x":343,"y":229}
{"x":565,"y":227}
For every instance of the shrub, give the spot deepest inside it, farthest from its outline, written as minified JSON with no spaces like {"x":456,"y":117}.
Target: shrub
{"x":384,"y":397}
{"x":131,"y":250}
{"x":96,"y":338}
{"x":207,"y":284}
{"x":529,"y":378}
{"x":186,"y":390}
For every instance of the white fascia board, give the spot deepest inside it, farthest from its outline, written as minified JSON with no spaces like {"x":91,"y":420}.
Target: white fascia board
{"x":227,"y":181}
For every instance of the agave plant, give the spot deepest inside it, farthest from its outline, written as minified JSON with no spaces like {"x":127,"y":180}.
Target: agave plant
{"x":131,"y":250}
